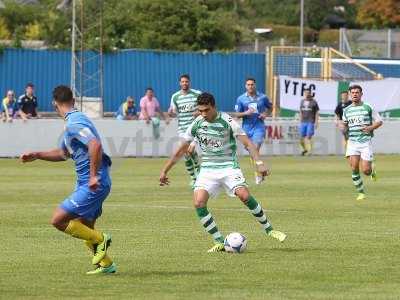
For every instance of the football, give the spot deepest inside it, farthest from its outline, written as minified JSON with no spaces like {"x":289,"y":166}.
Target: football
{"x":235,"y":242}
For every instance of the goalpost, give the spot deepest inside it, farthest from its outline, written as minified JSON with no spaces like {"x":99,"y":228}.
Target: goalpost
{"x":318,"y":63}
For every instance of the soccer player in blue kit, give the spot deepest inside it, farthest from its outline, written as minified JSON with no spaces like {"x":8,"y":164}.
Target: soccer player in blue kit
{"x":77,"y":214}
{"x":253,"y":107}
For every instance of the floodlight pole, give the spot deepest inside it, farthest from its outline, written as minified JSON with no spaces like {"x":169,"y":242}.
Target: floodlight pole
{"x":301,"y":25}
{"x":87,"y":48}
{"x":256,"y":44}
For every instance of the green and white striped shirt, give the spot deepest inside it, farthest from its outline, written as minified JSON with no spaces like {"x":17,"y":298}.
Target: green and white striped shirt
{"x":216,"y":140}
{"x":357,"y":117}
{"x":184,"y":106}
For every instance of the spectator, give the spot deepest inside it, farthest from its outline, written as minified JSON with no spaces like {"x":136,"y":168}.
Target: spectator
{"x":27,"y":103}
{"x":9,"y":107}
{"x":127,"y":110}
{"x":150,"y":111}
{"x":309,"y":119}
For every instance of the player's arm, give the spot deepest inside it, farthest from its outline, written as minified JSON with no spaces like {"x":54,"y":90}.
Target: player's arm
{"x":316,"y":114}
{"x":95,"y":157}
{"x":181,"y":151}
{"x":51,"y":155}
{"x":317,"y":119}
{"x":376,"y":123}
{"x":261,"y":168}
{"x":337,"y":115}
{"x":344,"y":124}
{"x":243,"y":114}
{"x":267,"y":108}
{"x":172,"y":110}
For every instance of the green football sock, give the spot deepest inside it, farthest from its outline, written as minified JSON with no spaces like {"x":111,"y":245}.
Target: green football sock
{"x":258,"y":213}
{"x":195,"y":159}
{"x":189,"y":164}
{"x":208,"y":223}
{"x":357,"y":181}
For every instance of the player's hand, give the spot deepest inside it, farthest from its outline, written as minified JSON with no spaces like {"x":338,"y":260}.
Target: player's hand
{"x":367,"y":129}
{"x":342,"y":125}
{"x":262,"y":116}
{"x":163,"y":179}
{"x":28,"y":157}
{"x":250,"y":111}
{"x":93,"y":183}
{"x":263,"y":170}
{"x":191,"y":149}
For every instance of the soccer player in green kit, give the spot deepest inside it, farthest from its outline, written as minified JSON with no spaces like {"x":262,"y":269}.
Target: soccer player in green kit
{"x":216,"y":133}
{"x":360,"y":119}
{"x":183,"y":105}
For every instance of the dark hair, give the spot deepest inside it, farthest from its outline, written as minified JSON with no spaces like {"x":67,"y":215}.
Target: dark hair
{"x":344,"y":92}
{"x":355,"y":87}
{"x":206,"y":99}
{"x":250,"y":78}
{"x":62,"y":94}
{"x":149,"y":89}
{"x":184,"y":76}
{"x":29,"y":84}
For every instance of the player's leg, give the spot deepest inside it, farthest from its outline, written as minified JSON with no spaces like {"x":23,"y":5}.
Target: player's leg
{"x":206,"y":219}
{"x":354,"y":161}
{"x":250,"y":134}
{"x":258,"y":139}
{"x":308,"y":140}
{"x":257,"y":211}
{"x":106,"y":265}
{"x":368,"y":165}
{"x":70,"y":224}
{"x":195,"y":158}
{"x":303,"y":135}
{"x":207,"y":184}
{"x":87,"y":204}
{"x":191,"y":165}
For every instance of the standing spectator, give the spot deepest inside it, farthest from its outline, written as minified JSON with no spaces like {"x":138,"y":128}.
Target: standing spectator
{"x":150,"y":110}
{"x":9,"y":107}
{"x":309,"y":118}
{"x":127,"y":110}
{"x":344,"y":97}
{"x":27,"y":103}
{"x":253,"y":107}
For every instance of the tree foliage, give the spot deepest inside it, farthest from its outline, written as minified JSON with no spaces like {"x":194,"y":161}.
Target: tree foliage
{"x":187,"y":24}
{"x":378,"y":14}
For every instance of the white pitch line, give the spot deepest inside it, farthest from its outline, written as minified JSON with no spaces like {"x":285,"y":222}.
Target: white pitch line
{"x":129,"y":205}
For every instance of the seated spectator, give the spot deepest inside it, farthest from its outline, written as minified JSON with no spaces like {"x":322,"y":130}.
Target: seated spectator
{"x":9,"y":107}
{"x":150,"y":110}
{"x":127,"y":110}
{"x":27,"y":103}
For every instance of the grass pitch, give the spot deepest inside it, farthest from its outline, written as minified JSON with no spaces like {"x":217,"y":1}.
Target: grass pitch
{"x":337,"y":248}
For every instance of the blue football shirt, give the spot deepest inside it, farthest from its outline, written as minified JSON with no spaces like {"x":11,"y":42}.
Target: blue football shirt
{"x":79,"y":131}
{"x":259,"y":103}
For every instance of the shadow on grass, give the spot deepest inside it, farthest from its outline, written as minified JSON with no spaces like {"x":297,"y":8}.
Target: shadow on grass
{"x":158,"y":273}
{"x":293,"y":250}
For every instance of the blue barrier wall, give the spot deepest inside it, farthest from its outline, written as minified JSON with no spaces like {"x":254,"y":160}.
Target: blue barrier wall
{"x":130,"y":72}
{"x":45,"y":69}
{"x":221,"y":74}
